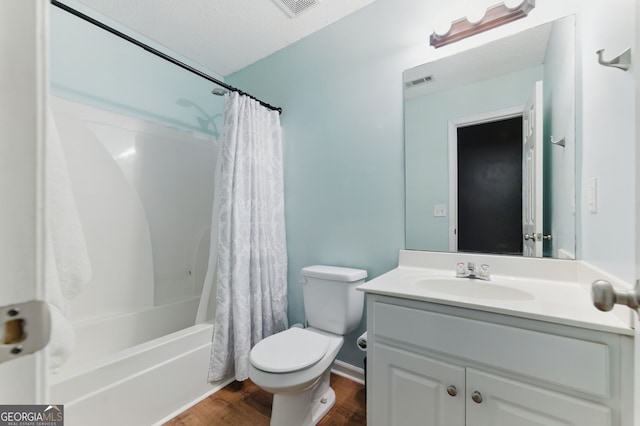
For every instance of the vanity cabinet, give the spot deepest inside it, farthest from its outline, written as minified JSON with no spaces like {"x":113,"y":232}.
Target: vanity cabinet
{"x":431,"y":364}
{"x":497,"y":401}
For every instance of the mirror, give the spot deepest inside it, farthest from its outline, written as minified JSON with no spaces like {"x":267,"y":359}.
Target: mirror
{"x":482,"y":173}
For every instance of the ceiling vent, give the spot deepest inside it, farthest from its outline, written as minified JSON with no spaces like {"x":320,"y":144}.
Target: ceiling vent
{"x":419,"y":81}
{"x":294,"y":8}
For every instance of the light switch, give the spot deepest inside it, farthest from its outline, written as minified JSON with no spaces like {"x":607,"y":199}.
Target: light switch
{"x":592,"y":195}
{"x":439,"y":210}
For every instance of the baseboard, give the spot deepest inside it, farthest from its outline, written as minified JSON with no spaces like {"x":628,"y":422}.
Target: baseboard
{"x":348,"y":371}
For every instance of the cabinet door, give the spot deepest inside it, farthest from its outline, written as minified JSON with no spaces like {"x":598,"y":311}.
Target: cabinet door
{"x":504,"y":402}
{"x":411,"y":389}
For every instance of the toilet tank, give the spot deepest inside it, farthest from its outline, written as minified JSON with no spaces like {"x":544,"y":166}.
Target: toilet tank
{"x":331,"y":301}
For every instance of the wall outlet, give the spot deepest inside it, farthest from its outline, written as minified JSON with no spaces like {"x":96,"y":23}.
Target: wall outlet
{"x":440,"y":210}
{"x":592,"y":195}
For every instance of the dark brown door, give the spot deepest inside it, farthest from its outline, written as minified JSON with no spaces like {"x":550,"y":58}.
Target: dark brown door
{"x":490,"y":187}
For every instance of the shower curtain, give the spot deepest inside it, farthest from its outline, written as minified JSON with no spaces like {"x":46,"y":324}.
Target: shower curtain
{"x":252,"y":254}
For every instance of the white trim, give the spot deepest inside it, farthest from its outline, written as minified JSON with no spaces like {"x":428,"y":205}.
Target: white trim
{"x":24,"y":76}
{"x":348,"y":371}
{"x":485,"y":117}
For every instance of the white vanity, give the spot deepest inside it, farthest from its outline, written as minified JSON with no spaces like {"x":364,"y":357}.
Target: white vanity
{"x":526,"y":348}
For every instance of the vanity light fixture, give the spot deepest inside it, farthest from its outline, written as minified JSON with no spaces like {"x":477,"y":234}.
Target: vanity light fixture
{"x":494,"y":16}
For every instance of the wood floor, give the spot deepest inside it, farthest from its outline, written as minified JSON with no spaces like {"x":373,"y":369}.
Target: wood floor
{"x":245,"y":404}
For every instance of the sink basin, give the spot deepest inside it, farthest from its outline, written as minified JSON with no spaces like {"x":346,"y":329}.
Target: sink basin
{"x":473,"y":288}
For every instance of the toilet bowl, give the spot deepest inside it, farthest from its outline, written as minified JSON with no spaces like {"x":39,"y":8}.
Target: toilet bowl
{"x":295,"y":365}
{"x":301,"y":394}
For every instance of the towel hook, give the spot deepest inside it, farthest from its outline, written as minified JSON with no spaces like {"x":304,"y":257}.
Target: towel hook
{"x":559,"y":142}
{"x":622,"y":61}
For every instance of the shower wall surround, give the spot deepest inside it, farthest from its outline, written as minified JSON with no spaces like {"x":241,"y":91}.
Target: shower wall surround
{"x":143,"y":130}
{"x":148,"y":178}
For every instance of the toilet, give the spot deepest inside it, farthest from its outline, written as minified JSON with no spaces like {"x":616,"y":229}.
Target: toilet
{"x":295,"y":365}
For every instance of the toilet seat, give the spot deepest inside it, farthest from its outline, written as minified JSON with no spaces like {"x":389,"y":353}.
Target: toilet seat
{"x":291,"y":350}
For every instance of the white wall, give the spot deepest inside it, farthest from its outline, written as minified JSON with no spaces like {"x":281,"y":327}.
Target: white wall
{"x":607,"y":133}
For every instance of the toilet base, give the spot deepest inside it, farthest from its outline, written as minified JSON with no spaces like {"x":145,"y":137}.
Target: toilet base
{"x":319,"y":410}
{"x":303,"y":408}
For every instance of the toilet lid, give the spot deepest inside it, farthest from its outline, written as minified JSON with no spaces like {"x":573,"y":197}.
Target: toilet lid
{"x":291,"y":350}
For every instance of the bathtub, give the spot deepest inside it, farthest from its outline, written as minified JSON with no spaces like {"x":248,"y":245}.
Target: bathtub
{"x":145,"y":384}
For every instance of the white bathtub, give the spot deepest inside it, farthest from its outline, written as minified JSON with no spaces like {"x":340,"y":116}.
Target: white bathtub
{"x":143,"y":385}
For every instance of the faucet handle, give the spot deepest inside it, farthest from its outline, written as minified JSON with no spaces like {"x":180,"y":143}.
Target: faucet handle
{"x":461,"y":269}
{"x":484,"y":271}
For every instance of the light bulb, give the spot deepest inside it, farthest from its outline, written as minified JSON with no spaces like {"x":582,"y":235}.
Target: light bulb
{"x":512,"y":4}
{"x":476,"y":14}
{"x":442,"y":26}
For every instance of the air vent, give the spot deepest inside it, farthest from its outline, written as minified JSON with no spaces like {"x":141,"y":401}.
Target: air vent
{"x":294,"y":8}
{"x":419,"y":81}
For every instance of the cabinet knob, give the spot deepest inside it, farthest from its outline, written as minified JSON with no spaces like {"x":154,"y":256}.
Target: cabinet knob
{"x":476,"y":397}
{"x":451,"y":390}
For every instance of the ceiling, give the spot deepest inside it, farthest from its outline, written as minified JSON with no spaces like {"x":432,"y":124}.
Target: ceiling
{"x":223,"y":36}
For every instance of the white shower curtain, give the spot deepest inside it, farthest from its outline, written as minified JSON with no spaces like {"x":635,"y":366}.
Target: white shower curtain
{"x":252,"y":252}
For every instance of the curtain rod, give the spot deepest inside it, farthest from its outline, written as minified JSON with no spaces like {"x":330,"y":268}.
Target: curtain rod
{"x":158,"y":53}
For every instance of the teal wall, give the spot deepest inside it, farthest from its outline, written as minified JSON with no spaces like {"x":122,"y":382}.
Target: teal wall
{"x":92,"y":66}
{"x":341,"y":90}
{"x":344,"y":157}
{"x":427,"y":144}
{"x":344,"y":163}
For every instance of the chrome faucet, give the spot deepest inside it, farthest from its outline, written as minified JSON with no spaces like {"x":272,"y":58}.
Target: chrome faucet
{"x":469,"y":271}
{"x":471,"y":268}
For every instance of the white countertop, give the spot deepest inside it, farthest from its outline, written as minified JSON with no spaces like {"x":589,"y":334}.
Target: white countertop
{"x":562,"y":301}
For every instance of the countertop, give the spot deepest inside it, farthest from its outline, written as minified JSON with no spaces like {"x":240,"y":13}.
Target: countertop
{"x":559,"y":301}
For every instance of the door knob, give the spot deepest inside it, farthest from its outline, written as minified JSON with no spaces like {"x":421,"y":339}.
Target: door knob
{"x":528,"y":237}
{"x":451,"y":390}
{"x":604,"y":296}
{"x":476,"y":397}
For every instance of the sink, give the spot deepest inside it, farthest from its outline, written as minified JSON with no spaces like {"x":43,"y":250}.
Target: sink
{"x":472,"y":288}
